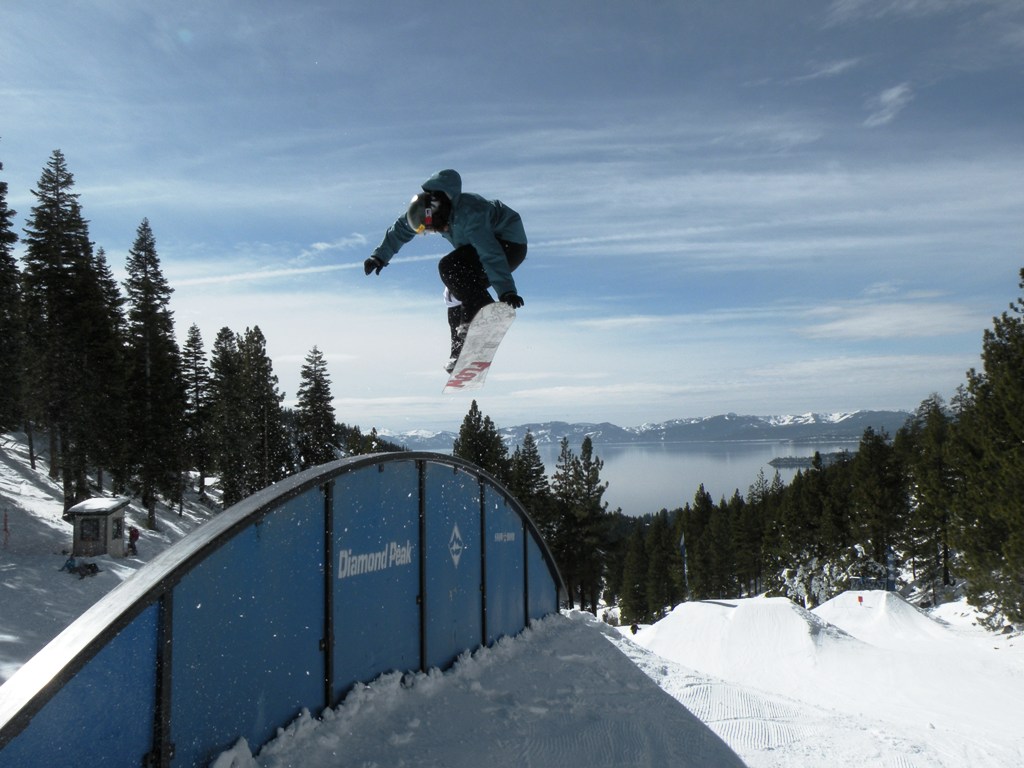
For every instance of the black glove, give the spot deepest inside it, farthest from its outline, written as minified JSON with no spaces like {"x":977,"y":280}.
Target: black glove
{"x":513,"y":299}
{"x":373,"y":264}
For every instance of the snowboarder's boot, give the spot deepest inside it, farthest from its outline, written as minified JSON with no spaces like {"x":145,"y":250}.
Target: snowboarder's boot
{"x":458,"y":339}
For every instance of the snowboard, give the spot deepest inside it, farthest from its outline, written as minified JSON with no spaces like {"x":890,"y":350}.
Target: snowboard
{"x":485,"y":334}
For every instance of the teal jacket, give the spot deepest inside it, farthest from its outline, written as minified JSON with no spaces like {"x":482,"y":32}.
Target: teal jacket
{"x":474,"y":221}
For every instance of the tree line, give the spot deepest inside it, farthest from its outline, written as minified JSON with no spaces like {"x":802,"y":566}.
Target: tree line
{"x":939,"y":504}
{"x":94,"y":369}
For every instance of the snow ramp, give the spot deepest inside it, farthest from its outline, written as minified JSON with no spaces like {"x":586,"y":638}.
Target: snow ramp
{"x":882,"y":619}
{"x":765,"y":641}
{"x":886,"y":663}
{"x":279,"y":605}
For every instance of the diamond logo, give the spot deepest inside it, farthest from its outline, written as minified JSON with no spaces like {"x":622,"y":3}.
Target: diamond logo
{"x":455,"y":545}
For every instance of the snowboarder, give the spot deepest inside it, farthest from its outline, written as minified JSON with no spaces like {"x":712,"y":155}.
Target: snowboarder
{"x":489,"y":241}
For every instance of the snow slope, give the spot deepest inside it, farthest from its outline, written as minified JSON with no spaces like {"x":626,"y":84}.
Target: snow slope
{"x":864,"y":680}
{"x":787,"y":690}
{"x":37,"y":600}
{"x":918,"y":692}
{"x":558,"y":695}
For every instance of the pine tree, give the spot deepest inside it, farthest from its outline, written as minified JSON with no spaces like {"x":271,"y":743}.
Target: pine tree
{"x":699,"y":546}
{"x":566,"y":534}
{"x":11,"y":331}
{"x":108,"y":337}
{"x":528,"y":482}
{"x":53,"y":239}
{"x":634,"y":599}
{"x":660,"y":592}
{"x":802,"y":513}
{"x":72,"y":327}
{"x":990,"y":494}
{"x":765,"y":501}
{"x":270,"y":457}
{"x":593,"y":512}
{"x":581,"y":532}
{"x":155,"y":397}
{"x":924,"y":444}
{"x":250,"y":446}
{"x":749,"y":536}
{"x":837,"y":507}
{"x":721,"y":552}
{"x":678,"y":543}
{"x":228,"y":410}
{"x":618,"y":529}
{"x":879,"y":502}
{"x":196,"y":376}
{"x":479,"y":442}
{"x":316,"y":437}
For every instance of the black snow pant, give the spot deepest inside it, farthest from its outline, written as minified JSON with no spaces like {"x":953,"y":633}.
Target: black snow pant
{"x":464,"y":276}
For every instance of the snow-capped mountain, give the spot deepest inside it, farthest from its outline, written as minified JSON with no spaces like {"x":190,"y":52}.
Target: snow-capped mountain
{"x":804,"y":428}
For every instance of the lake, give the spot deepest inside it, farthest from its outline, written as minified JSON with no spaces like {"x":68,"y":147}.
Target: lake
{"x":644,"y":478}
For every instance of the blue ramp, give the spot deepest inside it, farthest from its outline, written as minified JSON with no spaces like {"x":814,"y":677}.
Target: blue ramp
{"x":284,"y":602}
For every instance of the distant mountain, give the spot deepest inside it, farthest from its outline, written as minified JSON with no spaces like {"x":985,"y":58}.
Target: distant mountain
{"x":808,"y":428}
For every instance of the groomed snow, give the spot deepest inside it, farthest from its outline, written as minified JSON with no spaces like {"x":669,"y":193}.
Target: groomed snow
{"x":560,"y":694}
{"x":867,"y":673}
{"x":780,"y":686}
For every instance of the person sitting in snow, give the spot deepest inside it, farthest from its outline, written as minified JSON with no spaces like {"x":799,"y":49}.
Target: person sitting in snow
{"x":87,"y":569}
{"x":489,"y":241}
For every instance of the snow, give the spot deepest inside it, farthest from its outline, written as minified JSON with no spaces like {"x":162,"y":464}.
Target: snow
{"x":920,"y":692}
{"x":559,"y":694}
{"x":762,"y":682}
{"x":420,"y":433}
{"x":98,"y":505}
{"x":865,"y":679}
{"x":810,"y":418}
{"x":37,"y":600}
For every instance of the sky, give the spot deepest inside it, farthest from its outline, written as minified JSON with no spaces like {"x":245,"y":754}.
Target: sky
{"x":763,"y":206}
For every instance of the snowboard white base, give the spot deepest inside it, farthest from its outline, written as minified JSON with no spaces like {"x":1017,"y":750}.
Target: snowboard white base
{"x":485,"y":334}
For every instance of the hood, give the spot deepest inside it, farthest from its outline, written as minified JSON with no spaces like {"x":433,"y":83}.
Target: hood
{"x":447,"y":181}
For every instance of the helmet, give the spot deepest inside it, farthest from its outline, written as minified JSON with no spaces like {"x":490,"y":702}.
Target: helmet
{"x":428,"y":212}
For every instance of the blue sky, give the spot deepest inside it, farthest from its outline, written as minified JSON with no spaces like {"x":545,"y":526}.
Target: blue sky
{"x":763,"y":207}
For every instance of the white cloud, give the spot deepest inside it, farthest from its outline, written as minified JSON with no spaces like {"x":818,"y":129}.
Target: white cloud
{"x":888,"y":104}
{"x":853,"y":372}
{"x":341,"y":244}
{"x":263,"y":274}
{"x":893,"y":320}
{"x":850,"y":10}
{"x":829,"y":69}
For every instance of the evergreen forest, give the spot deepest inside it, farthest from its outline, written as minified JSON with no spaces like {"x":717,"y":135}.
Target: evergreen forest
{"x":91,"y":371}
